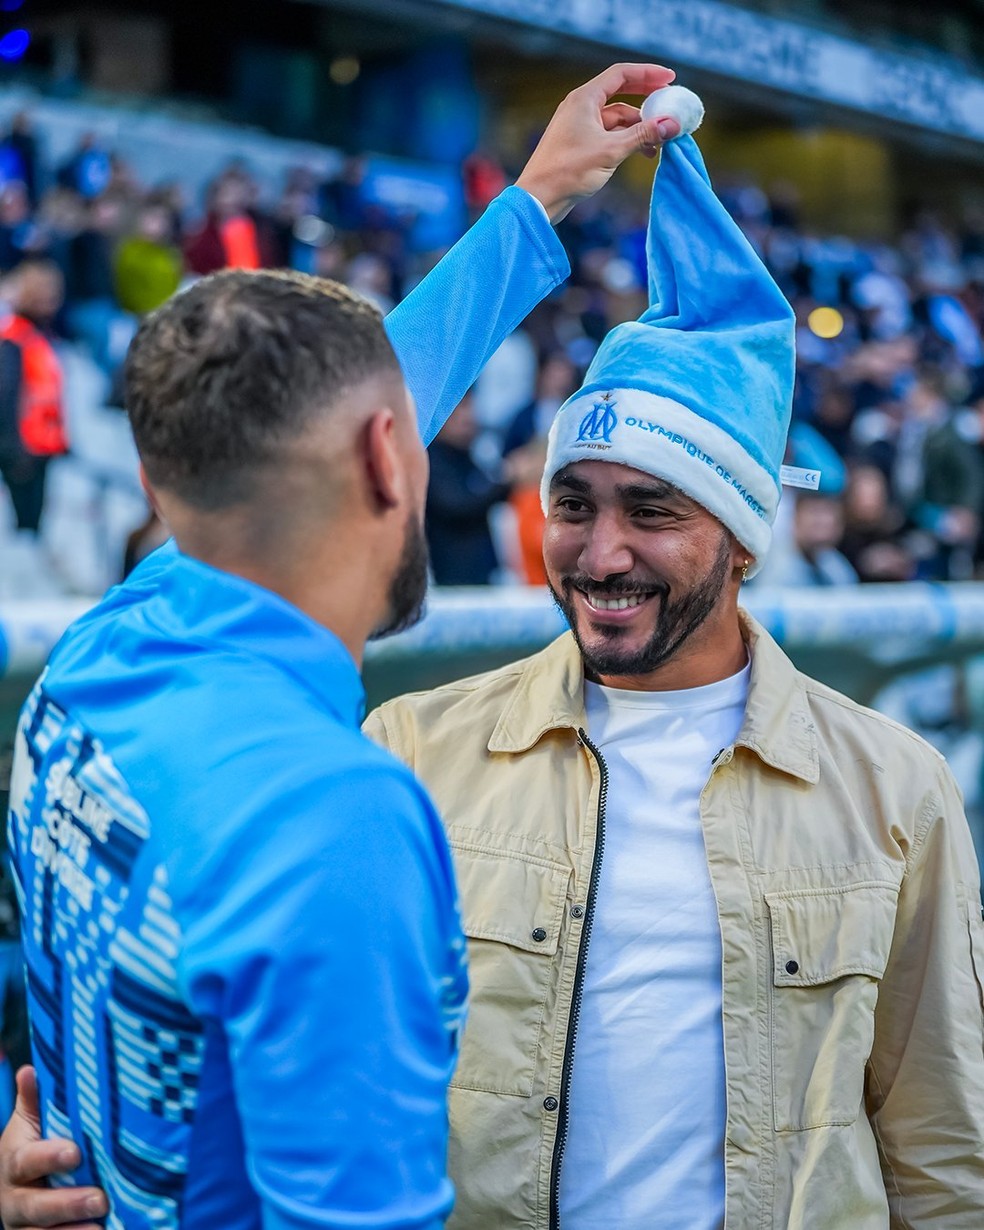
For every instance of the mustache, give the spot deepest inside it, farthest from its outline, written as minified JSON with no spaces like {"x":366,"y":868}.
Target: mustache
{"x":622,"y":587}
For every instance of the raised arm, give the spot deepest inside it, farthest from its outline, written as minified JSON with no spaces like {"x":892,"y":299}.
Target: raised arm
{"x":447,"y":328}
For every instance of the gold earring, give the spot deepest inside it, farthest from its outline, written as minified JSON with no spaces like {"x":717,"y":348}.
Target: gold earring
{"x":744,"y":571}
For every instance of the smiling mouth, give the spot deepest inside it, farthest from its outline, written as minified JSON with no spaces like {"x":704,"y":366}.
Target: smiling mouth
{"x":620,"y":602}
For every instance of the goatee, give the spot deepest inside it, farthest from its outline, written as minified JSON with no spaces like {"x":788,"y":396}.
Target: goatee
{"x":677,"y":620}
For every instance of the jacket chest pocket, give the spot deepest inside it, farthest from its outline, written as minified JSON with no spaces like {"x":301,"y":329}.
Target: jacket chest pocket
{"x":829,"y":950}
{"x":513,"y":910}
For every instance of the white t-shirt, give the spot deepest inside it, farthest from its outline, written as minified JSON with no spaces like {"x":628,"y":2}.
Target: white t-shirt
{"x":645,"y":1146}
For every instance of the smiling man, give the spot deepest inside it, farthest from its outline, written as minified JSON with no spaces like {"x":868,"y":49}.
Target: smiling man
{"x":724,"y":925}
{"x":630,"y":624}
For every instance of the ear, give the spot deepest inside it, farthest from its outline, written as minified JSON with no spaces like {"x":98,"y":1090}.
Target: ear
{"x":383,"y":463}
{"x":741,"y":558}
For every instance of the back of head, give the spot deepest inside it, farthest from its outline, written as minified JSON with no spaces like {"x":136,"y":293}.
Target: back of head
{"x":226,"y":378}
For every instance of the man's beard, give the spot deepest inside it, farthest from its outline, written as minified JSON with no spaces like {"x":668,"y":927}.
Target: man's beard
{"x":408,"y":588}
{"x":676,"y":621}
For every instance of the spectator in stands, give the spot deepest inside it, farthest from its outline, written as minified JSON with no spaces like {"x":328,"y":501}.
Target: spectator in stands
{"x":459,"y":498}
{"x":148,"y":267}
{"x":556,"y":381}
{"x":233,"y":234}
{"x":483,"y":179}
{"x":370,"y":276}
{"x":904,"y":305}
{"x":291,"y":224}
{"x":525,"y":468}
{"x":93,"y":315}
{"x":873,"y":541}
{"x":834,"y":414}
{"x":19,"y":233}
{"x":60,"y":216}
{"x":19,"y":155}
{"x":524,"y":448}
{"x":32,"y":411}
{"x":940,"y":476}
{"x":89,"y":168}
{"x":818,"y":527}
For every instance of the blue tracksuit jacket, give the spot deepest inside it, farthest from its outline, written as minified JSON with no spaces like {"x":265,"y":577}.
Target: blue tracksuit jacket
{"x":245,"y":964}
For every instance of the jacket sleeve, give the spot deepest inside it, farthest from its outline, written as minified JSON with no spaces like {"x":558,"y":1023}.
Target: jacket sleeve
{"x":376,"y":728}
{"x":448,"y":327}
{"x":925,"y":1096}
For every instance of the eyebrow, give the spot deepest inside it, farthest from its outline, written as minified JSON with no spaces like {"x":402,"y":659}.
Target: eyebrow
{"x":649,"y":491}
{"x":563,"y":479}
{"x":627,"y":492}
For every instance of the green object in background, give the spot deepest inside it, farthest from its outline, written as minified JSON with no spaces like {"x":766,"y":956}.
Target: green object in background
{"x":146,"y":274}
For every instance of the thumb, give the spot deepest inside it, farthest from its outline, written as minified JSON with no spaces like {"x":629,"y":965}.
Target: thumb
{"x":650,"y":134}
{"x":27,"y":1097}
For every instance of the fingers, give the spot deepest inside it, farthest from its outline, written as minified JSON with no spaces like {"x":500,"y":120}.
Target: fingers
{"x":628,"y":79}
{"x":619,"y":115}
{"x":648,"y":136}
{"x":27,"y":1096}
{"x":34,"y":1160}
{"x":666,"y":128}
{"x":35,"y":1208}
{"x":26,"y":1160}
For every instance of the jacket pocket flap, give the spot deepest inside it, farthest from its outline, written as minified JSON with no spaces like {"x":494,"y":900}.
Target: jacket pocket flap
{"x":820,"y":935}
{"x":512,"y":900}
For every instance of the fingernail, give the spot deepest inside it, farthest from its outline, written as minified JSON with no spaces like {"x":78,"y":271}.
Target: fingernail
{"x":666,"y":129}
{"x":67,"y":1159}
{"x":95,"y":1206}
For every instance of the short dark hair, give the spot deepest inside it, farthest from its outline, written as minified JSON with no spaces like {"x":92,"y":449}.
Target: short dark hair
{"x":226,"y":372}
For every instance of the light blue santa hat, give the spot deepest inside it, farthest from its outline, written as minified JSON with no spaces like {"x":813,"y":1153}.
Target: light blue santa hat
{"x":699,"y":390}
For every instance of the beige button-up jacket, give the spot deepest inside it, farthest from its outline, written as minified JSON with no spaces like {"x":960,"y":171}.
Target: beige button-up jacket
{"x":853,"y":947}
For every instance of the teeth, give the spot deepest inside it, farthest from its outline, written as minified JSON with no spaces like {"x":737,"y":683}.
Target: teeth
{"x":617,"y":604}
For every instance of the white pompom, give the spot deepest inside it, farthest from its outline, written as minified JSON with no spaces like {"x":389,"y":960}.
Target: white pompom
{"x":675,"y":102}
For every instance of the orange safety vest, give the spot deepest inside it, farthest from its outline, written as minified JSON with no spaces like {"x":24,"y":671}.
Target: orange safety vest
{"x":42,"y":414}
{"x":530,"y":522}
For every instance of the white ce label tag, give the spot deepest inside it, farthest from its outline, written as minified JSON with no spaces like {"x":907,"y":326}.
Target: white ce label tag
{"x":793,"y":476}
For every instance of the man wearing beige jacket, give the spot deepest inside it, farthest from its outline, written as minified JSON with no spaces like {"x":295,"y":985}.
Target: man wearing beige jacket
{"x":725,"y":928}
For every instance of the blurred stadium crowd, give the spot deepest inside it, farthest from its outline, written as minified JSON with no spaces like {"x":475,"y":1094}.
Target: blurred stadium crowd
{"x":890,"y":391}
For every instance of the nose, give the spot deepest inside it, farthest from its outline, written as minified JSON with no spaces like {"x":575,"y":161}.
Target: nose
{"x":605,"y":552}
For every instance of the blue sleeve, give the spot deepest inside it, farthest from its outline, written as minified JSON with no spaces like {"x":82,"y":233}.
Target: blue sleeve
{"x":448,"y":327}
{"x":333,"y":959}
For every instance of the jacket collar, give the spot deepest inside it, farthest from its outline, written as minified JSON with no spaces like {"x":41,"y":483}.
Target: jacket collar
{"x":190,"y":601}
{"x":777,"y":726}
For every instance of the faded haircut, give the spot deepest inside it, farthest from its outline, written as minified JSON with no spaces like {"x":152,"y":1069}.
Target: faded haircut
{"x":227,"y":373}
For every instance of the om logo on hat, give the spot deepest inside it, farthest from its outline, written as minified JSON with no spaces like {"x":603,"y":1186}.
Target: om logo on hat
{"x":600,"y":421}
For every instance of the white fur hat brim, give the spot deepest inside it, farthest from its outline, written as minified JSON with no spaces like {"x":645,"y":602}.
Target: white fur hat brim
{"x":661,"y":437}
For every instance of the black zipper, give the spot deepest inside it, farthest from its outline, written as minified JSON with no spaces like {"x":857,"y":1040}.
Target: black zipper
{"x":565,"y":1078}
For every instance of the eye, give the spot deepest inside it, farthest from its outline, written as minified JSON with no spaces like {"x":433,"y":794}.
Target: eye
{"x":571,"y":506}
{"x":649,"y":513}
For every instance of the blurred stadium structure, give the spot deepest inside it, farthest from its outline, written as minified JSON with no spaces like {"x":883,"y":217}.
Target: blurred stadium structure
{"x":361,"y":136}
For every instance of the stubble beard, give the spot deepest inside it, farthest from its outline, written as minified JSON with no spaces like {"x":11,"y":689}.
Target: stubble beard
{"x":408,"y":588}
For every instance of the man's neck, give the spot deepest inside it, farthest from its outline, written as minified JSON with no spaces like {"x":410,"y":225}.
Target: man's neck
{"x":330,"y":586}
